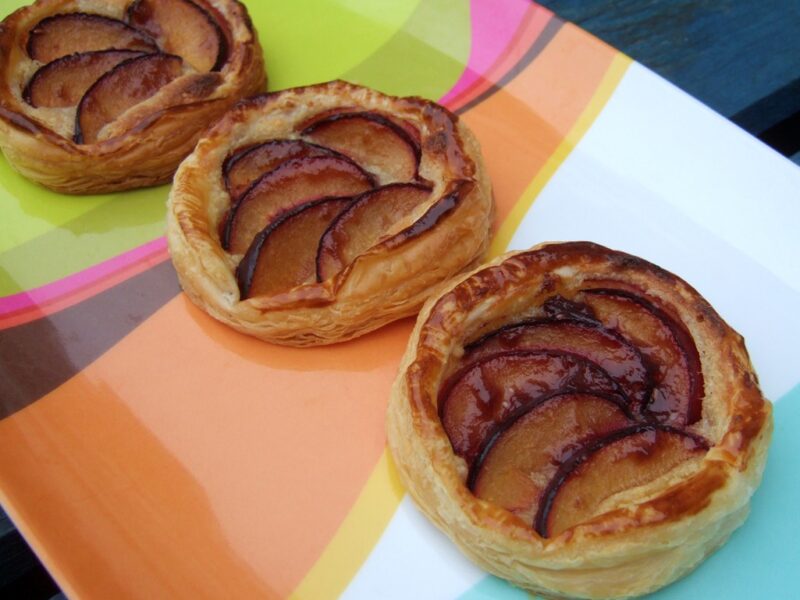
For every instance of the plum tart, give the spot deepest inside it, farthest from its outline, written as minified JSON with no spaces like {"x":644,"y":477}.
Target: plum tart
{"x":316,"y":214}
{"x":579,"y":421}
{"x":105,"y":95}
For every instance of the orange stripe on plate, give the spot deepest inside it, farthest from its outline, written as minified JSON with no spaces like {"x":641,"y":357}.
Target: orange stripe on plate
{"x":522,"y":125}
{"x":238,"y":471}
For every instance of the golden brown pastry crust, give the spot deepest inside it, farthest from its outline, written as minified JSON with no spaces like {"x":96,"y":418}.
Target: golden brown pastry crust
{"x":385,"y":283}
{"x":145,"y":145}
{"x":650,"y":535}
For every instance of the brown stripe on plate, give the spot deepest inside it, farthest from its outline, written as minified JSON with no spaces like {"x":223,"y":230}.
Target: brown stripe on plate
{"x":37,"y":357}
{"x":548,"y":33}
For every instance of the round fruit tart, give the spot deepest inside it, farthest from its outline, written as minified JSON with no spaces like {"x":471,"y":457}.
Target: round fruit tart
{"x":103,"y":95}
{"x":316,"y":214}
{"x":579,"y":421}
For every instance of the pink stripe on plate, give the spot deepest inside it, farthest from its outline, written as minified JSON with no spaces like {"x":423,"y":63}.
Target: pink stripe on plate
{"x":493,"y":25}
{"x":72,"y":283}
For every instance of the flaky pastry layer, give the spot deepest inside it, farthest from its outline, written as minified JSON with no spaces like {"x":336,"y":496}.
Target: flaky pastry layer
{"x":387,"y":282}
{"x":144,"y":145}
{"x":646,"y":537}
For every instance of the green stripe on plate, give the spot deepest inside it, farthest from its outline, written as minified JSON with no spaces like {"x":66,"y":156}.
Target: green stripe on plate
{"x":132,"y":219}
{"x":424,"y":58}
{"x":308,"y":41}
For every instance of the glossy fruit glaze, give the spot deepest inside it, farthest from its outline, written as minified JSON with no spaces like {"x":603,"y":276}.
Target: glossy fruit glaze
{"x":556,"y":414}
{"x":84,"y":58}
{"x":366,"y":160}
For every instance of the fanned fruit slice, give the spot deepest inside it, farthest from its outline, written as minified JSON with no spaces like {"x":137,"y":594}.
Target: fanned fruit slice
{"x":244,"y":166}
{"x":678,"y":382}
{"x":370,"y":139}
{"x":64,"y":81}
{"x":568,"y":381}
{"x":524,"y":451}
{"x":364,"y":223}
{"x":293,"y":183}
{"x":625,"y":459}
{"x":283,"y":255}
{"x":482,"y":395}
{"x":183,"y":28}
{"x":69,"y":33}
{"x":418,"y":211}
{"x":124,"y":86}
{"x":86,"y":121}
{"x":612,"y":352}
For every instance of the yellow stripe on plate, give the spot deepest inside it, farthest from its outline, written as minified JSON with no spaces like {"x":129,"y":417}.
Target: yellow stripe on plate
{"x":356,"y":537}
{"x":611,"y":79}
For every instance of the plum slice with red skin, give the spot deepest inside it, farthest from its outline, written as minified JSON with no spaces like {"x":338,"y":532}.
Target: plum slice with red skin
{"x":678,"y":388}
{"x":437,"y":212}
{"x":124,"y":86}
{"x":409,"y":128}
{"x":364,"y":223}
{"x":69,"y":33}
{"x":483,"y":394}
{"x":523,"y":453}
{"x":370,"y":139}
{"x":184,"y":28}
{"x":245,"y":166}
{"x":64,"y":81}
{"x":291,"y":184}
{"x":283,"y":255}
{"x":620,"y":359}
{"x":622,"y":460}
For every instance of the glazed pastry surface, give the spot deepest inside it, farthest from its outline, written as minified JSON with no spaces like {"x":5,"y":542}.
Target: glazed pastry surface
{"x":106,"y":95}
{"x":314,"y":215}
{"x":578,"y":421}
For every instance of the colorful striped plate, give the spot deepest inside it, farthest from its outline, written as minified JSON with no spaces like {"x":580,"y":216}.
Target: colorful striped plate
{"x":147,"y":451}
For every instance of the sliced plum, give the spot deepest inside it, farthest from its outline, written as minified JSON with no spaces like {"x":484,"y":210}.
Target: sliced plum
{"x":522,"y":455}
{"x":624,"y":459}
{"x":370,"y":139}
{"x":290,"y":185}
{"x":620,"y":359}
{"x":283,"y":255}
{"x":68,"y":33}
{"x":483,"y":394}
{"x":127,"y":84}
{"x":243,"y":167}
{"x":184,"y":28}
{"x":64,"y":81}
{"x":678,"y":390}
{"x":364,"y":223}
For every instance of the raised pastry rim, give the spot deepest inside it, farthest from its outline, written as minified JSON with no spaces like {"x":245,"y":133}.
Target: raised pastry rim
{"x":388,"y":282}
{"x":163,"y":129}
{"x":634,"y":549}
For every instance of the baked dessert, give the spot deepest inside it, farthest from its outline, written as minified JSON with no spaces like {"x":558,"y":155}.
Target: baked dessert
{"x":316,"y":214}
{"x":579,"y":421}
{"x":104,"y":95}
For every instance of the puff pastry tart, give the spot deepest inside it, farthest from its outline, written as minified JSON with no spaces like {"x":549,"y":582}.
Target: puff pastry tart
{"x":579,"y":421}
{"x":103,"y":95}
{"x":316,"y":214}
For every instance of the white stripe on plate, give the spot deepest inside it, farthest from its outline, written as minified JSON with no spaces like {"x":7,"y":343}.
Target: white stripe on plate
{"x":413,"y":559}
{"x":661,"y":176}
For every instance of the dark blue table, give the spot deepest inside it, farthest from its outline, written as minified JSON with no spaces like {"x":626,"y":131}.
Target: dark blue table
{"x":740,"y":57}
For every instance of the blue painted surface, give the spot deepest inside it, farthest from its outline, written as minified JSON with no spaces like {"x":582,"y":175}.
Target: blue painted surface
{"x":762,"y":558}
{"x":740,"y":57}
{"x":727,"y":53}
